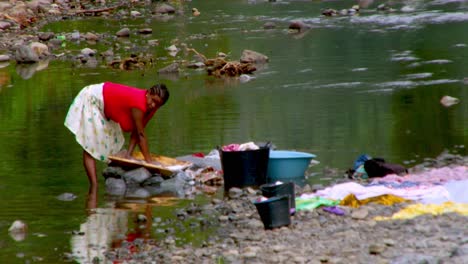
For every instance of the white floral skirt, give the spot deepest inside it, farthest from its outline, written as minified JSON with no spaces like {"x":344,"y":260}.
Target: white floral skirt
{"x":97,"y":135}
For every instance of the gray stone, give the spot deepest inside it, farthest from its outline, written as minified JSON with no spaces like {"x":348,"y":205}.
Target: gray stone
{"x":91,"y":36}
{"x":124,"y":32}
{"x":250,"y":56}
{"x":88,"y":52}
{"x":299,"y":26}
{"x":113,"y":172}
{"x":153,"y":181}
{"x":46,"y":36}
{"x":164,"y":9}
{"x":414,"y":258}
{"x":25,"y":54}
{"x":462,"y":250}
{"x":4,"y":58}
{"x":235,"y":192}
{"x":172,"y":68}
{"x":115,"y":186}
{"x":145,"y":31}
{"x":269,"y":25}
{"x":140,"y":193}
{"x":360,"y":213}
{"x":4,"y":25}
{"x":66,"y":197}
{"x":137,"y":175}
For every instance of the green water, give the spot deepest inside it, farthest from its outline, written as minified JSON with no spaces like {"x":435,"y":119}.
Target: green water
{"x":349,"y":85}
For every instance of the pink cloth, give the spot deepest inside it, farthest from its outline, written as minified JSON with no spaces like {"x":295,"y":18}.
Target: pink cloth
{"x":433,"y":176}
{"x":429,"y":189}
{"x":231,"y":147}
{"x":340,"y":191}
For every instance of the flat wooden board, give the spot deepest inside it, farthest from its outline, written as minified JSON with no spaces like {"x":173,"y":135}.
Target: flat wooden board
{"x":165,"y":166}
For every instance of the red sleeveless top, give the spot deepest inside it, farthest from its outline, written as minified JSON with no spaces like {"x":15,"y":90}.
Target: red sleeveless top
{"x":118,"y":103}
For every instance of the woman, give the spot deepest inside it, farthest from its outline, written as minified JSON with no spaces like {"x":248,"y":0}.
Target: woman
{"x":100,"y":113}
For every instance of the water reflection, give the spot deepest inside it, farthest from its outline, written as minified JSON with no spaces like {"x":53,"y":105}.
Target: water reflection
{"x":5,"y":79}
{"x":103,"y":226}
{"x":26,"y":71}
{"x":118,"y":225}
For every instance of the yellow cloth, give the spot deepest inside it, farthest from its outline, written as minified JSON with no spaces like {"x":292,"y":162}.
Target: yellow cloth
{"x":386,"y":199}
{"x":415,"y":210}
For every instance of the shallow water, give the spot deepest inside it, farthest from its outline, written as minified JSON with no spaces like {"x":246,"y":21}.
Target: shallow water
{"x":349,"y":85}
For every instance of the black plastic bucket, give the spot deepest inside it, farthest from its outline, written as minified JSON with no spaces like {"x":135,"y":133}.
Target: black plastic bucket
{"x":272,"y":189}
{"x":244,"y":168}
{"x":274,"y":212}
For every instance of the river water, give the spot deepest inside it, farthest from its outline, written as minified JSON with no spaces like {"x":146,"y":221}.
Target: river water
{"x":349,"y":85}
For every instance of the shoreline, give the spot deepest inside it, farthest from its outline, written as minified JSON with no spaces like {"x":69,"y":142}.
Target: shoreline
{"x":314,"y":236}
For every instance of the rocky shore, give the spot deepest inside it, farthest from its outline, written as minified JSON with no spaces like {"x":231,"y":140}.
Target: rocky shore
{"x":314,"y":236}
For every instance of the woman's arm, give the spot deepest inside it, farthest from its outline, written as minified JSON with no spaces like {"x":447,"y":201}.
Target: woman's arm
{"x":139,"y":130}
{"x":133,"y":142}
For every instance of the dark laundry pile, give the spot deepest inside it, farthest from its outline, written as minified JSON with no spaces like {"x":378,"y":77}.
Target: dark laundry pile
{"x":366,"y":167}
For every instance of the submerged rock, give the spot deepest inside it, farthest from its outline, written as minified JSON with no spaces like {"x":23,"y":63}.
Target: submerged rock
{"x":164,"y":9}
{"x":172,"y":68}
{"x":66,"y":197}
{"x":250,"y":56}
{"x":299,"y":26}
{"x":448,"y":101}
{"x":18,"y":230}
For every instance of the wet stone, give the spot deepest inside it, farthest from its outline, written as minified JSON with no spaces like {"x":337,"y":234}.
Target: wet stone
{"x":124,"y":32}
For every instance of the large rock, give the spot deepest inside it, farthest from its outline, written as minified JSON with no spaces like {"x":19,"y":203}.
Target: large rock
{"x":164,"y":9}
{"x":91,"y":36}
{"x":124,"y":32}
{"x":172,"y":68}
{"x":250,"y":56}
{"x":137,"y":175}
{"x":46,"y":36}
{"x":4,"y":25}
{"x":115,"y":186}
{"x":25,"y":54}
{"x":4,"y":58}
{"x":41,"y":50}
{"x":299,"y":26}
{"x":5,"y":6}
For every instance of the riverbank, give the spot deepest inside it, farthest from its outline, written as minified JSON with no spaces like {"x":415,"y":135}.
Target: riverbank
{"x":314,"y":236}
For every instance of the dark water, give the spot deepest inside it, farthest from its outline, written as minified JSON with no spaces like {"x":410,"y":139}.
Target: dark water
{"x":349,"y":85}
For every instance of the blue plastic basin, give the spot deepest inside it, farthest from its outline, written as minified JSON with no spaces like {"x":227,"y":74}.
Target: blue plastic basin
{"x":284,"y":164}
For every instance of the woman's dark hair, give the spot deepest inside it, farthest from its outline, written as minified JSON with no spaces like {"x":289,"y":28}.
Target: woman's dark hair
{"x":161,"y":91}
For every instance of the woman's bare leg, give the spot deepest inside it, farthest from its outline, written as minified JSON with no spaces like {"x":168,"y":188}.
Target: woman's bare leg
{"x":90,"y":166}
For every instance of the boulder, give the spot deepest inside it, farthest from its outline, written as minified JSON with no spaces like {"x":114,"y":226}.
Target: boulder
{"x":41,"y":49}
{"x":250,"y":56}
{"x":164,"y":9}
{"x":172,"y":68}
{"x":25,"y":54}
{"x":46,"y":36}
{"x":5,"y":25}
{"x":91,"y":36}
{"x":299,"y":26}
{"x":4,"y":58}
{"x":124,"y":32}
